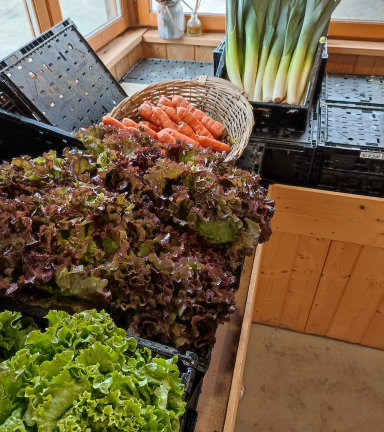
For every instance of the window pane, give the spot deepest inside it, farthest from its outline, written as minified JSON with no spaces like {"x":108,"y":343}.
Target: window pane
{"x":216,"y":7}
{"x":358,"y":10}
{"x":15,"y":27}
{"x":89,"y":15}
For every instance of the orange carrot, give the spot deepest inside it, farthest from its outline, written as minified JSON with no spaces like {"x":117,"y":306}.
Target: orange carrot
{"x":132,"y":129}
{"x":165,"y":121}
{"x":171,"y":112}
{"x":165,"y":137}
{"x":185,"y":129}
{"x":189,"y":118}
{"x":165,"y":101}
{"x":150,"y":125}
{"x":179,"y":101}
{"x":110,"y":121}
{"x":145,"y":110}
{"x":217,"y":129}
{"x":182,"y":137}
{"x":216,"y":145}
{"x":149,"y":131}
{"x":129,"y":122}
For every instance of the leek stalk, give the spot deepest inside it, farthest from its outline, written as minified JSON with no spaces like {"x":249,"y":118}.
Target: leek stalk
{"x":312,"y":47}
{"x":251,"y":55}
{"x":276,"y":51}
{"x":270,"y":23}
{"x":311,"y":17}
{"x":231,"y":52}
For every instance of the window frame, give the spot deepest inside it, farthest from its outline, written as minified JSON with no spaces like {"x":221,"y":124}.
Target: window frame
{"x":339,"y":29}
{"x":48,"y":13}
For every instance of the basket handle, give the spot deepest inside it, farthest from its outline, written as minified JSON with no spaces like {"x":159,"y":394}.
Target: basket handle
{"x":203,"y":79}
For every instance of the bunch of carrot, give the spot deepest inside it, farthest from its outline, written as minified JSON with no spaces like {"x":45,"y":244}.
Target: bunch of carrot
{"x":176,"y":119}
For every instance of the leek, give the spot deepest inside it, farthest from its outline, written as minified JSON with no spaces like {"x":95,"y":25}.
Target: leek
{"x":240,"y":41}
{"x":312,"y":14}
{"x":231,"y":52}
{"x":295,"y":23}
{"x":251,"y":56}
{"x":276,"y":51}
{"x":312,"y":47}
{"x":270,"y":23}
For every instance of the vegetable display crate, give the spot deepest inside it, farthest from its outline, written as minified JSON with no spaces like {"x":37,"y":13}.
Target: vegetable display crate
{"x":359,"y":90}
{"x":286,"y":116}
{"x":151,"y":70}
{"x":61,"y":80}
{"x":281,"y":156}
{"x":217,"y":52}
{"x":350,"y":153}
{"x":23,"y":136}
{"x":10,"y":103}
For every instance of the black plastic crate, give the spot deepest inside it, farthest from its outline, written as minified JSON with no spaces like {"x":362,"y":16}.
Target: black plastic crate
{"x":359,"y":90}
{"x":282,"y":156}
{"x":350,"y":154}
{"x":61,"y":80}
{"x":286,"y":116}
{"x":151,"y":70}
{"x":22,"y":136}
{"x":217,"y":52}
{"x":344,"y":126}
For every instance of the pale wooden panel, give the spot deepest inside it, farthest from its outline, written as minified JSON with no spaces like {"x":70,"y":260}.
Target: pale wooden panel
{"x":180,"y":52}
{"x":135,"y":55}
{"x":215,"y":393}
{"x":341,"y":63}
{"x":356,"y":47}
{"x":207,"y":39}
{"x":361,"y":298}
{"x":113,"y":71}
{"x":122,"y":66}
{"x":365,"y":64}
{"x":203,"y":53}
{"x":378,"y":68}
{"x":374,"y":336}
{"x":119,"y":47}
{"x":309,"y":263}
{"x":237,"y":379}
{"x":154,"y":50}
{"x":338,"y":268}
{"x":275,"y":273}
{"x":132,"y":88}
{"x":330,"y":215}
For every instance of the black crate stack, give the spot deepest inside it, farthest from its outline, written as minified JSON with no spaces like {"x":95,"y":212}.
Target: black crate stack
{"x":350,"y":152}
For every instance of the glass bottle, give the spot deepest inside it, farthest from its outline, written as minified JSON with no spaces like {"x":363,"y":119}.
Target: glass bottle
{"x":194,"y":27}
{"x":170,"y":19}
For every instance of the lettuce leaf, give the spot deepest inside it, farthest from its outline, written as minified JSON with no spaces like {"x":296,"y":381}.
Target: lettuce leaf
{"x":150,"y":233}
{"x":82,"y":374}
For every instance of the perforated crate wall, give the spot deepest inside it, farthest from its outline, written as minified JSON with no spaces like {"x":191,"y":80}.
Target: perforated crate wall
{"x":354,"y":89}
{"x":61,"y":78}
{"x":352,"y":127}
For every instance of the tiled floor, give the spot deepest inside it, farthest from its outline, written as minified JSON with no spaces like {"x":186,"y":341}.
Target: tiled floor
{"x":301,"y":383}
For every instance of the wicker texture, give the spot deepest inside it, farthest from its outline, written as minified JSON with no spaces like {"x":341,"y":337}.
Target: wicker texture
{"x":217,"y":97}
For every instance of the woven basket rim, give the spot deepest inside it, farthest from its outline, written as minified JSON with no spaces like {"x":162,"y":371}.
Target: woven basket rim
{"x":220,"y":94}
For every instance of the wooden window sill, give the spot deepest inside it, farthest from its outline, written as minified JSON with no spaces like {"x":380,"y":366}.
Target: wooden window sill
{"x":365,"y":48}
{"x":207,"y":39}
{"x":119,"y":47}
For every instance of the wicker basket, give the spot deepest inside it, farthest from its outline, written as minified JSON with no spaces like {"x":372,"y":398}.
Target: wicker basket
{"x":216,"y":97}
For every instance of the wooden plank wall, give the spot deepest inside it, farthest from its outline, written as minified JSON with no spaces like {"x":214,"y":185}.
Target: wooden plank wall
{"x":322,"y":272}
{"x":355,"y":64}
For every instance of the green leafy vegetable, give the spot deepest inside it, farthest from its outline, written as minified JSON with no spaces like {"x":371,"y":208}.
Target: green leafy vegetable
{"x":153,"y":238}
{"x":83,"y":374}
